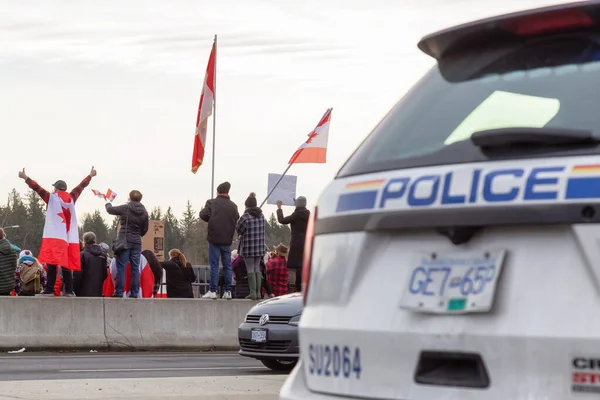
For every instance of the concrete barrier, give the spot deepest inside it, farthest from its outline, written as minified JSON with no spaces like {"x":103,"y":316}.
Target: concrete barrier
{"x":98,"y":323}
{"x":174,"y":323}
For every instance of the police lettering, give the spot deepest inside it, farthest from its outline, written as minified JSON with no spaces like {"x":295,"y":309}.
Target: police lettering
{"x":496,"y":186}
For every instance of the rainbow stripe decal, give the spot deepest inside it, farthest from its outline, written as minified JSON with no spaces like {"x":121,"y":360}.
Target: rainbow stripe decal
{"x":360,"y":195}
{"x":590,"y":168}
{"x":584,"y":182}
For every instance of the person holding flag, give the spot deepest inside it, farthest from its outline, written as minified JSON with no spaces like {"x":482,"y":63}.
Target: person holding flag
{"x":133,"y":224}
{"x":60,"y":240}
{"x":298,"y":222}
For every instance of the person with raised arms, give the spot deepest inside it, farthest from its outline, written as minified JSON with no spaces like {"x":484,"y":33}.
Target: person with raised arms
{"x":60,"y":240}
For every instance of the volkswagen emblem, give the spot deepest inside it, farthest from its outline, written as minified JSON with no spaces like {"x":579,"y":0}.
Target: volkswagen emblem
{"x":264,"y":319}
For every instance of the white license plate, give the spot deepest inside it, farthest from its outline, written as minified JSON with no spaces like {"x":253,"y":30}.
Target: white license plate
{"x":453,"y":283}
{"x":259,"y":335}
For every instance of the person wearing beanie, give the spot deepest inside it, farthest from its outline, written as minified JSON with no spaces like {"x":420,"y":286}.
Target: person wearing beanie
{"x":221,"y":214}
{"x":251,"y":229}
{"x":298,"y":222}
{"x":30,"y":277}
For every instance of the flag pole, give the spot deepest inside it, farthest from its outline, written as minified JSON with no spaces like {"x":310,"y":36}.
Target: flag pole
{"x":293,"y":160}
{"x":212,"y":180}
{"x":276,"y":183}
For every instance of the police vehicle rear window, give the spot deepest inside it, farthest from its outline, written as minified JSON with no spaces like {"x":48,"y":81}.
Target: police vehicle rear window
{"x":553,"y":83}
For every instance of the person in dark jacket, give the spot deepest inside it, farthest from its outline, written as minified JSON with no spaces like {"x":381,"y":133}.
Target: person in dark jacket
{"x":94,"y":268}
{"x":133,"y":224}
{"x":180,"y":276}
{"x":251,"y":228}
{"x":298,"y":222}
{"x":8,"y":265}
{"x":222,"y":215}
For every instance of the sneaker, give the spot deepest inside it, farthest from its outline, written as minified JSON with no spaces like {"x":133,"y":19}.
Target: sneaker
{"x":210,"y":295}
{"x":70,"y":295}
{"x":227,"y":296}
{"x":43,"y":294}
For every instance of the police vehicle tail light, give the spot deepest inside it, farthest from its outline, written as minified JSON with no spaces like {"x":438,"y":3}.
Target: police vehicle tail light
{"x":308,"y":246}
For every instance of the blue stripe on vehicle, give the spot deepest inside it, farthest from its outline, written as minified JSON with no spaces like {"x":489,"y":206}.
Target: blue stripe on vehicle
{"x":583,"y":188}
{"x":357,"y":201}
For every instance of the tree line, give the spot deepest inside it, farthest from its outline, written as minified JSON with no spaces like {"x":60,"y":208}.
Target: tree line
{"x":187,"y":233}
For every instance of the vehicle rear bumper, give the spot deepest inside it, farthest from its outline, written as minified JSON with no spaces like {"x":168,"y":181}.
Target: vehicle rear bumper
{"x":295,"y":388}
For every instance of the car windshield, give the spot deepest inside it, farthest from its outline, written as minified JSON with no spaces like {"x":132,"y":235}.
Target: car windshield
{"x":552,"y":85}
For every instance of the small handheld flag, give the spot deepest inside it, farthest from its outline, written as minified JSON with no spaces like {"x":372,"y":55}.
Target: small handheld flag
{"x":109,"y":196}
{"x":98,"y":194}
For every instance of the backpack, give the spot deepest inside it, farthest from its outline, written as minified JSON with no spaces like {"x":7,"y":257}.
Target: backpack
{"x":30,"y":278}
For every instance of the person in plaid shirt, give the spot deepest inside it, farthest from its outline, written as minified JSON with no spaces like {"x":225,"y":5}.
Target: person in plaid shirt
{"x":251,"y":229}
{"x":277,"y":271}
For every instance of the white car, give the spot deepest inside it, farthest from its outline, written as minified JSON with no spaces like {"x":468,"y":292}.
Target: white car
{"x":457,"y":253}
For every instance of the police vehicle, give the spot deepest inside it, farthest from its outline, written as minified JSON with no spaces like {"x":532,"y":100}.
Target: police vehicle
{"x":463,"y":236}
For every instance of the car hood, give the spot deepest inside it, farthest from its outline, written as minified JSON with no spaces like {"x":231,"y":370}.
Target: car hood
{"x":288,"y":305}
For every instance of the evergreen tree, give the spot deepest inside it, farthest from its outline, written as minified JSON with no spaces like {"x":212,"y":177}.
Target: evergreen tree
{"x":276,"y":233}
{"x":156,"y":214}
{"x":36,"y":216}
{"x":189,"y":230}
{"x":95,"y":223}
{"x":173,"y":235}
{"x":17,"y":215}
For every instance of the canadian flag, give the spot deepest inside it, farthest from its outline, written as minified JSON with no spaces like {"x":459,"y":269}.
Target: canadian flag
{"x":314,"y":150}
{"x":146,"y":280}
{"x":60,"y":240}
{"x":204,"y":111}
{"x":110,"y":195}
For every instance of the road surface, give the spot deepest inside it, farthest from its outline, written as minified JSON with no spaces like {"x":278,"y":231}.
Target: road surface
{"x":210,"y":375}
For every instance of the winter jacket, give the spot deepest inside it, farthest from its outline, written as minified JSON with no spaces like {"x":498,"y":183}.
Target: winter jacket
{"x":298,"y":222}
{"x":251,"y":228}
{"x":221,"y":214}
{"x":8,"y":266}
{"x":134,"y":222}
{"x":179,"y":279}
{"x":94,"y":270}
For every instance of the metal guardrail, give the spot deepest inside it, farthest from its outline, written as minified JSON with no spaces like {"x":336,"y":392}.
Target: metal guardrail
{"x":200,"y":287}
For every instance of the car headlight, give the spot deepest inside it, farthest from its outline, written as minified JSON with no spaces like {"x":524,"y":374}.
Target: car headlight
{"x":295,"y":320}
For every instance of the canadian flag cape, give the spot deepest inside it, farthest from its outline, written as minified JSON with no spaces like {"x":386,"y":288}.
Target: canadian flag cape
{"x":60,"y":241}
{"x":146,"y":280}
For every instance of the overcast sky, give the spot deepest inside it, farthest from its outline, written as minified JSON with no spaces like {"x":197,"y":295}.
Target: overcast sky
{"x":116,"y":84}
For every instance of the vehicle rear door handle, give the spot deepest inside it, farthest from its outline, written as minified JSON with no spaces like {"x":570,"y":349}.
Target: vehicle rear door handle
{"x":456,"y":369}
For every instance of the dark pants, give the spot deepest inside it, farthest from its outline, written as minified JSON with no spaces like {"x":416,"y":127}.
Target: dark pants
{"x":67,"y":278}
{"x":298,"y":279}
{"x":132,"y":256}
{"x":216,"y":254}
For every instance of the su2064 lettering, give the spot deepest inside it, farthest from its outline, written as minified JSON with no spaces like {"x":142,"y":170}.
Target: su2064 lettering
{"x":334,"y":361}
